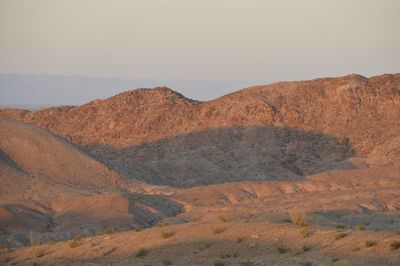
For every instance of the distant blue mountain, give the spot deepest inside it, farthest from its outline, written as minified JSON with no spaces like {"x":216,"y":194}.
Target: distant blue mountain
{"x":41,"y":89}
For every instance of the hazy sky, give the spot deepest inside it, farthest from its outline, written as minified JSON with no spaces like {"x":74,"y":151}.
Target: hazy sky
{"x":207,"y":39}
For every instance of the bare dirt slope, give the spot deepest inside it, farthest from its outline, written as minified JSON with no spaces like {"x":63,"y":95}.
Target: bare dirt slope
{"x":54,"y":189}
{"x":27,"y":150}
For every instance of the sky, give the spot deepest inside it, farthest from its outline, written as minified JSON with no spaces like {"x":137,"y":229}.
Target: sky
{"x":246,"y":40}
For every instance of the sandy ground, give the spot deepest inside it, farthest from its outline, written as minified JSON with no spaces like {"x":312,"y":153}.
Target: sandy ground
{"x":310,"y":222}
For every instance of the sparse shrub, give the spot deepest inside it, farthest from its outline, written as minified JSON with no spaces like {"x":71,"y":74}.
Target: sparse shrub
{"x":32,"y":239}
{"x":281,"y":249}
{"x":167,"y":234}
{"x":223,"y":219}
{"x":370,"y":243}
{"x":196,"y":219}
{"x":50,"y":242}
{"x":5,"y":247}
{"x":137,"y":229}
{"x":361,"y":228}
{"x":141,"y":253}
{"x":341,"y":235}
{"x":340,"y":227}
{"x":395,"y":245}
{"x":305,"y":248}
{"x":166,"y":262}
{"x":219,"y":230}
{"x":38,"y":252}
{"x":298,"y":219}
{"x":109,"y":231}
{"x":239,"y":239}
{"x":208,"y":245}
{"x":247,"y":263}
{"x":163,"y":224}
{"x":305,"y":233}
{"x":7,"y":259}
{"x":219,"y":263}
{"x":108,"y":252}
{"x":75,"y":242}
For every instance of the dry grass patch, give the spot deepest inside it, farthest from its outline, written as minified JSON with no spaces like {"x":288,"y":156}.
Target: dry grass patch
{"x":298,"y":219}
{"x":361,"y":228}
{"x":247,"y":263}
{"x":370,"y":243}
{"x":108,"y":252}
{"x":196,"y":219}
{"x":341,"y":235}
{"x":166,"y":262}
{"x":239,"y":239}
{"x":305,"y":248}
{"x":306,"y":232}
{"x":219,"y":230}
{"x":281,"y":249}
{"x":7,"y":259}
{"x":75,"y":242}
{"x":141,"y":253}
{"x":163,"y":224}
{"x":395,"y":244}
{"x":38,"y":252}
{"x":223,"y":219}
{"x":167,"y":234}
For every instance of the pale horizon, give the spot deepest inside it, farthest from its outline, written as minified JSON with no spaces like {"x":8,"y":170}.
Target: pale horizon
{"x":241,"y":42}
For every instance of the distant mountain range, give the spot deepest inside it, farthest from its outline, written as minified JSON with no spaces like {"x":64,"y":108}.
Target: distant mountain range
{"x":31,"y":91}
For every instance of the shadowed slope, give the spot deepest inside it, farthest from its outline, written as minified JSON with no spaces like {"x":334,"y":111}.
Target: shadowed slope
{"x":229,"y":155}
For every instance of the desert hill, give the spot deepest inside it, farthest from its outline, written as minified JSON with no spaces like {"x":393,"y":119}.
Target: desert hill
{"x":282,"y":131}
{"x":55,"y":189}
{"x":30,"y":152}
{"x":292,"y":173}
